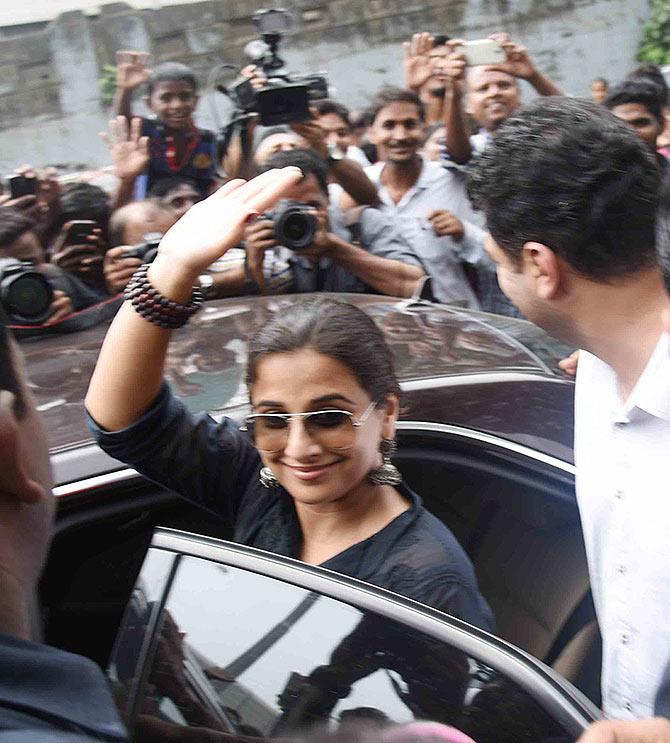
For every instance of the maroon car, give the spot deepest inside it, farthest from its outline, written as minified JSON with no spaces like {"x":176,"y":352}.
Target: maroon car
{"x":485,"y":439}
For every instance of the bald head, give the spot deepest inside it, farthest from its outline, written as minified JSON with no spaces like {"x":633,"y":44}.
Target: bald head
{"x":492,"y":96}
{"x":129,"y":224}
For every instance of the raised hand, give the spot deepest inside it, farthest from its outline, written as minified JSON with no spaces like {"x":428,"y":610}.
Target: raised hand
{"x":445,"y":223}
{"x":131,"y":69}
{"x":417,"y":62}
{"x":128,"y":148}
{"x":312,"y":132}
{"x":519,"y":63}
{"x":213,"y":226}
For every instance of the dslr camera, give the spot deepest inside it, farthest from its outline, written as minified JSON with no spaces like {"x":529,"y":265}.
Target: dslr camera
{"x":287,"y":97}
{"x":294,"y":224}
{"x":147,"y":250}
{"x":25,"y":294}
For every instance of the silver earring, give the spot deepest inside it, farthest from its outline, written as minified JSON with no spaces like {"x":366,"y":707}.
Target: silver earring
{"x":267,"y":478}
{"x":387,"y":473}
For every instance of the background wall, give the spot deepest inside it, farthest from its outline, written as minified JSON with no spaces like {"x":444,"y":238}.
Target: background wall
{"x":50,"y":109}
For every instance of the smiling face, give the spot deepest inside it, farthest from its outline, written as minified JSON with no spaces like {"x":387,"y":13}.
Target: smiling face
{"x":493,"y":96}
{"x":306,"y":380}
{"x":398,"y":132}
{"x":174,"y":102}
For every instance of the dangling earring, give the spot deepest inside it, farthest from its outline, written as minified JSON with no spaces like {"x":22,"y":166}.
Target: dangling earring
{"x":387,"y":473}
{"x":267,"y":478}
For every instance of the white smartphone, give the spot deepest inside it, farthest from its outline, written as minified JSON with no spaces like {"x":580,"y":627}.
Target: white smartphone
{"x":483,"y":52}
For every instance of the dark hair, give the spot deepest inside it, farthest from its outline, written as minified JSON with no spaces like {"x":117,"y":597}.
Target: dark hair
{"x":307,"y":160}
{"x":10,"y":375}
{"x":649,"y":71}
{"x":13,"y":223}
{"x":169,"y":72}
{"x":165,"y":186}
{"x":637,"y":90}
{"x":600,"y":80}
{"x":84,"y":201}
{"x":361,"y":118}
{"x":328,"y":106}
{"x":335,"y":329}
{"x":387,"y":96}
{"x":440,"y":39}
{"x":663,"y":233}
{"x":567,"y":173}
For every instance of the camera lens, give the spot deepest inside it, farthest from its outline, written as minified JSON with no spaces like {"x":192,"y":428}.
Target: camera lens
{"x":29,"y":297}
{"x":295,"y":227}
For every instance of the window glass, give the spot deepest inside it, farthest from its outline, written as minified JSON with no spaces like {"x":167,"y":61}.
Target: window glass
{"x":245,"y":654}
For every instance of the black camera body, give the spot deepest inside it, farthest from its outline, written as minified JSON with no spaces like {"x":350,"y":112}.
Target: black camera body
{"x":295,"y":224}
{"x":287,"y":97}
{"x":25,"y":294}
{"x":146,"y":251}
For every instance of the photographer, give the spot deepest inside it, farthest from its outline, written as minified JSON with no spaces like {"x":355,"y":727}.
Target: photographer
{"x":19,"y":243}
{"x":330,"y":261}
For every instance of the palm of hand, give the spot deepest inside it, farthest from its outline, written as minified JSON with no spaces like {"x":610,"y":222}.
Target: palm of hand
{"x":129,"y":159}
{"x":417,"y":70}
{"x":132,"y":74}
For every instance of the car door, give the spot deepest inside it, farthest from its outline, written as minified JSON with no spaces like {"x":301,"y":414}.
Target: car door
{"x":222,"y":639}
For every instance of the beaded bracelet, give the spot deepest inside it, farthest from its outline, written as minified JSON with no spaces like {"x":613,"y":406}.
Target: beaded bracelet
{"x":152,"y":306}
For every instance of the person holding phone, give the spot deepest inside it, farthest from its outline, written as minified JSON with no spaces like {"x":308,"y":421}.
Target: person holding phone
{"x":487,"y":88}
{"x":309,"y":474}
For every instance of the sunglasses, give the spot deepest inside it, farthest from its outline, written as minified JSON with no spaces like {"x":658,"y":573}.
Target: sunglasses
{"x":331,"y":429}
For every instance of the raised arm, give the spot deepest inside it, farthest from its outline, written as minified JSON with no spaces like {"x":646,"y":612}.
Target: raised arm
{"x":129,"y":151}
{"x":131,"y":72}
{"x":135,"y":349}
{"x":457,"y":137}
{"x":520,"y":64}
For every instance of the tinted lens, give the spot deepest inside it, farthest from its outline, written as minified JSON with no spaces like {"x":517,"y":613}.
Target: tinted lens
{"x":267,"y":432}
{"x":332,"y":429}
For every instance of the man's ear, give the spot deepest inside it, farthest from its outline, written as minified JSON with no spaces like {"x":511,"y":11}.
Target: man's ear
{"x":544,"y":267}
{"x":15,"y":482}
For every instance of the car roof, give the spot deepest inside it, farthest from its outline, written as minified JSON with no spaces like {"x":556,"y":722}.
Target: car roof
{"x":434,"y":347}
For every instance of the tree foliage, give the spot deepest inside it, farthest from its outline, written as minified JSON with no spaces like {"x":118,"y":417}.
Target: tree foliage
{"x":656,"y":41}
{"x":107,"y":84}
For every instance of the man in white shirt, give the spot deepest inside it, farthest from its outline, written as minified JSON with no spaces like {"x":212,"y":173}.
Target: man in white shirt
{"x":428,"y":205}
{"x":570,"y":196}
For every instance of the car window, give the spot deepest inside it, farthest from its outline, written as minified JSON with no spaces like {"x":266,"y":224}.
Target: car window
{"x":242,"y":653}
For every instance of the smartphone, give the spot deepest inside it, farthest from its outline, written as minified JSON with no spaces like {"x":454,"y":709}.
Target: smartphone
{"x":79,"y":230}
{"x":19,"y":186}
{"x":483,"y":52}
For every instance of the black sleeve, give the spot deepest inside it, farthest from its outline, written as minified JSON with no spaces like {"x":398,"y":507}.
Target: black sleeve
{"x":208,"y":463}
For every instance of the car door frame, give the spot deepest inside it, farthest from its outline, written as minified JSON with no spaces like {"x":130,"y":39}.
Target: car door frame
{"x":557,"y":697}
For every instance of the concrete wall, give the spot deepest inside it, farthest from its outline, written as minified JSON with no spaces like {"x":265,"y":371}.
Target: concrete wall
{"x":50,"y":110}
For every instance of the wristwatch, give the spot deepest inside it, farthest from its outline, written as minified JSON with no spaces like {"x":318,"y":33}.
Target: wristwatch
{"x":335,"y":153}
{"x":206,"y":284}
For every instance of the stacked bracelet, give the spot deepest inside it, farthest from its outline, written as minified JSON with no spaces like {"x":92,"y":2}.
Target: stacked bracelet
{"x":154,"y":307}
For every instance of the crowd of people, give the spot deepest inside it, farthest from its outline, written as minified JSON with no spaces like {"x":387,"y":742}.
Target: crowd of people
{"x":557,"y":211}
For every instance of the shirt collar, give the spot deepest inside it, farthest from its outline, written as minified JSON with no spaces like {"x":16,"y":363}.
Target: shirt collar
{"x":652,"y":391}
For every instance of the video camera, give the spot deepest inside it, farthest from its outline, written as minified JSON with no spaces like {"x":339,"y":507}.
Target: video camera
{"x":146,"y":251}
{"x":25,"y":294}
{"x":294,"y":224}
{"x":287,"y":97}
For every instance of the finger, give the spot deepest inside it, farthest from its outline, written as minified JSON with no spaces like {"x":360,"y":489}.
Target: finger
{"x":435,"y":213}
{"x":122,"y":128}
{"x":227,"y":189}
{"x":143,"y":145}
{"x":452,"y":44}
{"x":406,"y":50}
{"x":267,"y":188}
{"x":135,"y":129}
{"x":23,"y":202}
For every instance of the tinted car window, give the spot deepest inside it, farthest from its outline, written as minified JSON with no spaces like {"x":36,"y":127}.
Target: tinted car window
{"x":241,"y":653}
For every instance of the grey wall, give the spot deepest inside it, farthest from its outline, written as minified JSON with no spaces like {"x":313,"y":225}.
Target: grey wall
{"x":50,"y":110}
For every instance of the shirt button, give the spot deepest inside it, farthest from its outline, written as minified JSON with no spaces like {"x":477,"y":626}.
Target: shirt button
{"x":624,"y":639}
{"x":628,"y":707}
{"x":621,"y":570}
{"x":618,"y":494}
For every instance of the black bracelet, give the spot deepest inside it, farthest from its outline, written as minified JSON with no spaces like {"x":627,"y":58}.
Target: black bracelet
{"x":152,"y":306}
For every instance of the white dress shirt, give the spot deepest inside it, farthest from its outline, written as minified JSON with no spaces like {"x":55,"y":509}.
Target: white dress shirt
{"x":437,"y":188}
{"x":622,"y":453}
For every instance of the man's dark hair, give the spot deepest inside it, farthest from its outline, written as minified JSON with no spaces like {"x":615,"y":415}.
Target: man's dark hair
{"x":84,"y":201}
{"x":307,"y":160}
{"x":440,"y":39}
{"x":389,"y":95}
{"x":637,"y":90}
{"x":170,"y":72}
{"x":165,"y":186}
{"x":361,"y":118}
{"x":568,"y":174}
{"x":13,"y":223}
{"x":663,"y":233}
{"x":649,"y":71}
{"x":600,"y":80}
{"x":9,"y":375}
{"x":328,"y":106}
